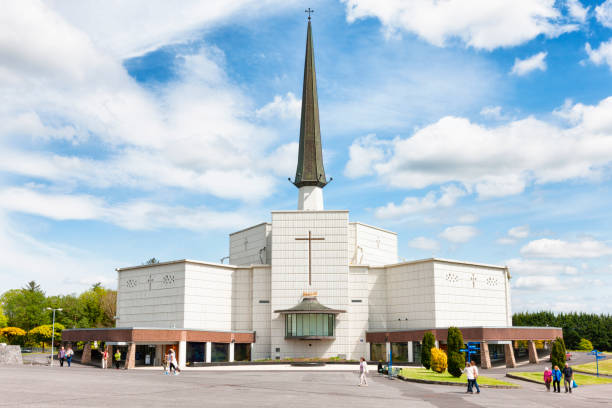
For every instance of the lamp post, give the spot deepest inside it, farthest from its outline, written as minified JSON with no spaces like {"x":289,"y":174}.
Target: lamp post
{"x":53,"y":331}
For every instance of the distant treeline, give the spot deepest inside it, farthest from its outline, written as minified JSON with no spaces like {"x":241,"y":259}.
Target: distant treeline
{"x":576,"y":326}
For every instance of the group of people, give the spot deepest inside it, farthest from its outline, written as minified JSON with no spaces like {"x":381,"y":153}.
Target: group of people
{"x":555,"y":375}
{"x":170,"y":363}
{"x":471,"y":372}
{"x":65,"y":355}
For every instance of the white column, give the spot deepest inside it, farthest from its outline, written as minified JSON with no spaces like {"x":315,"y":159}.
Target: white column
{"x":387,"y":351}
{"x":208,"y":352}
{"x":410,"y":356}
{"x":182,"y":353}
{"x":310,"y":198}
{"x":367,"y":352}
{"x":231,"y":352}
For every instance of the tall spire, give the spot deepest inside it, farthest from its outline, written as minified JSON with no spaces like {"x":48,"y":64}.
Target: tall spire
{"x":310,"y":171}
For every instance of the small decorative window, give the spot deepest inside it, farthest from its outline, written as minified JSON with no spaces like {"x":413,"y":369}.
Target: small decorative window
{"x":492,"y":281}
{"x":168,"y":280}
{"x":131,"y":283}
{"x":452,"y":277}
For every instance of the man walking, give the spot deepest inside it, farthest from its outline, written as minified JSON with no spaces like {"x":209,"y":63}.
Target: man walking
{"x":363,"y":370}
{"x":568,"y":378}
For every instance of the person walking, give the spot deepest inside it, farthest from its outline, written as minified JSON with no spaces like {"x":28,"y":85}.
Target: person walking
{"x":363,"y":370}
{"x":547,"y":378}
{"x":61,"y":356}
{"x":469,"y":373}
{"x":568,"y":378}
{"x":556,"y":379}
{"x":173,"y":363}
{"x":69,"y":354}
{"x":475,"y":381}
{"x":117,"y":359}
{"x":104,"y":357}
{"x":166,"y":363}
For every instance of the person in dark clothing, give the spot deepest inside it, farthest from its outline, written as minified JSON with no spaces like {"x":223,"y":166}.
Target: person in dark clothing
{"x":568,"y":378}
{"x":556,"y":375}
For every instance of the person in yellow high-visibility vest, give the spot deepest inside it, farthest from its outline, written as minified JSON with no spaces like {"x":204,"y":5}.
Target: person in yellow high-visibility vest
{"x":117,"y":359}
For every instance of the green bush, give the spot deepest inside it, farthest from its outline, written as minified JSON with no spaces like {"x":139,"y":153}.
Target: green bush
{"x":557,"y":353}
{"x":429,"y":341}
{"x":439,"y":361}
{"x":585,"y":345}
{"x":456,"y":359}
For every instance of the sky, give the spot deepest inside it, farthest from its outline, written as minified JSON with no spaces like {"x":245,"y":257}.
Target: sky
{"x":478,"y":130}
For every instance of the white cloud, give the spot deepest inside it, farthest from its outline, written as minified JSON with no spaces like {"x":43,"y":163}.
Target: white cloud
{"x":425,"y":244}
{"x":577,"y":10}
{"x":600,"y":55}
{"x":539,"y":283}
{"x":468,"y":219}
{"x":493,"y":112}
{"x":529,"y":267}
{"x":524,"y":66}
{"x":603,"y":13}
{"x":136,"y":215}
{"x":283,"y":107}
{"x":459,"y":233}
{"x":500,"y":160}
{"x":447,"y":197}
{"x":481,"y":24}
{"x":554,"y":248}
{"x":521,"y":231}
{"x":363,"y":153}
{"x":506,"y":241}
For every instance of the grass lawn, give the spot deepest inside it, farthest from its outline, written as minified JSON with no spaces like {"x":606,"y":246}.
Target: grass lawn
{"x":424,"y":374}
{"x":605,"y":367}
{"x":581,"y":379}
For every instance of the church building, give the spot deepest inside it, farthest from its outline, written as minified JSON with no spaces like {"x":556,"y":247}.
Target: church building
{"x":311,"y":282}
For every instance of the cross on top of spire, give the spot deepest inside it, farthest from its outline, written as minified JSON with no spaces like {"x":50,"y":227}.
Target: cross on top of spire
{"x":309,"y":11}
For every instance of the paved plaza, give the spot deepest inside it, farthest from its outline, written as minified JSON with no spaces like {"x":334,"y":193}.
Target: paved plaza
{"x":81,"y":386}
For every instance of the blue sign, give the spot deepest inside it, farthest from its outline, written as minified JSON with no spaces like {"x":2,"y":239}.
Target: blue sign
{"x":472,"y":348}
{"x":598,"y":356}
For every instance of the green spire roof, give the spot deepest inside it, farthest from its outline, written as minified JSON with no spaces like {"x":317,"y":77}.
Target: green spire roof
{"x":310,"y":171}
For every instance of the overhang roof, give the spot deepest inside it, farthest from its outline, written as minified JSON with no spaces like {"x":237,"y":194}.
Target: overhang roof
{"x":310,"y":304}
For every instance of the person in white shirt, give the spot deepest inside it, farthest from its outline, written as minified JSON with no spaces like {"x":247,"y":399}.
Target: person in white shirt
{"x":363,"y":370}
{"x":174,"y":363}
{"x":475,"y":380}
{"x":469,"y":372}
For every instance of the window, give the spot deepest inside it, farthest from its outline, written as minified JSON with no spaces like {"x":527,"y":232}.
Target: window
{"x":399,"y":351}
{"x":378,"y":352}
{"x":309,"y":324}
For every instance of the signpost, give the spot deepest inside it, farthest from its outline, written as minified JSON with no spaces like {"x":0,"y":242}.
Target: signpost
{"x":598,"y":356}
{"x":473,"y":347}
{"x":390,"y":367}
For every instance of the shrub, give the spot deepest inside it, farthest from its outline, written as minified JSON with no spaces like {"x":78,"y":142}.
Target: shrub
{"x":585,"y":345}
{"x":456,"y":359}
{"x":438,"y":360}
{"x":429,"y":341}
{"x":12,"y":334}
{"x":557,"y":353}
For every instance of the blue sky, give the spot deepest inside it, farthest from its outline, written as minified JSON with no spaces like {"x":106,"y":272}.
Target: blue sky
{"x":478,"y":130}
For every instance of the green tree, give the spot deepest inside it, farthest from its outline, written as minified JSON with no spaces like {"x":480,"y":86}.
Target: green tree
{"x":557,"y":353}
{"x":3,"y":318}
{"x":571,"y":338}
{"x":151,"y":261}
{"x":25,"y":307}
{"x":456,"y":359}
{"x":585,"y":345}
{"x":42,"y":334}
{"x":429,"y":342}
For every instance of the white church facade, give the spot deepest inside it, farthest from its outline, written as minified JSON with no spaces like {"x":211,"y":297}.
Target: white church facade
{"x":310,"y":283}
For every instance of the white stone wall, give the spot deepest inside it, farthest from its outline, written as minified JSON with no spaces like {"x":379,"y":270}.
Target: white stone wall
{"x":370,"y":245}
{"x":289,"y":276}
{"x":377,"y":299}
{"x":251,"y":246}
{"x":261,"y":313}
{"x":358,"y":311}
{"x":242,"y":302}
{"x":152,"y":296}
{"x":208,"y":296}
{"x":410,"y":291}
{"x":470,"y":295}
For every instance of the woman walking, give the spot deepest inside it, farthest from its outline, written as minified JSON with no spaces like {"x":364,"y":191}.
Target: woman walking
{"x":69,"y":354}
{"x":556,"y":376}
{"x":61,"y":356}
{"x":547,"y":378}
{"x":363,"y":370}
{"x":104,"y":357}
{"x":475,"y":381}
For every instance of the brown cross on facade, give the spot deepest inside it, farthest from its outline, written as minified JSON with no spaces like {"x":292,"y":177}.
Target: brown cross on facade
{"x":310,"y":239}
